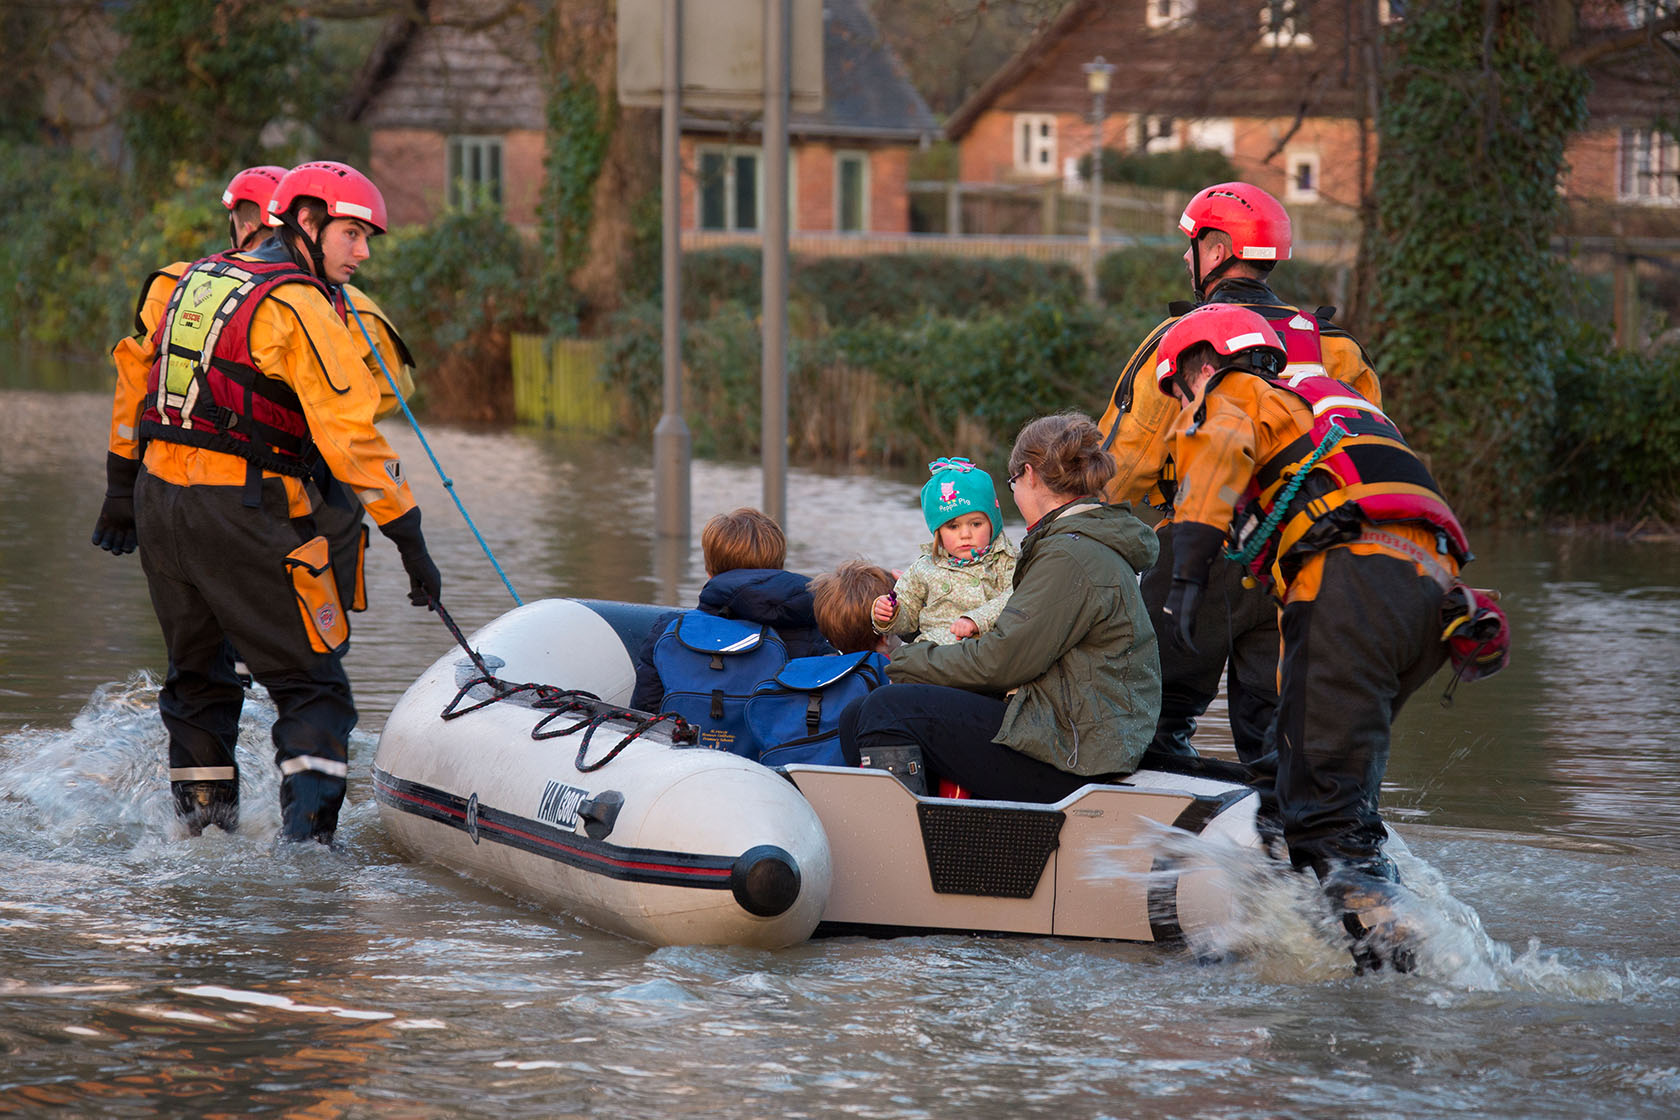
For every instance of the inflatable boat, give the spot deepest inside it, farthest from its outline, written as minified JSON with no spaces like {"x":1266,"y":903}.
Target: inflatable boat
{"x":514,"y":762}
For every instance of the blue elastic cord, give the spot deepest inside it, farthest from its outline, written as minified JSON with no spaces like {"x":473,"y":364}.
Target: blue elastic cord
{"x":448,"y":483}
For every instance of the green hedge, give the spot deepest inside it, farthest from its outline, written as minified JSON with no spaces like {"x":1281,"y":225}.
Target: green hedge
{"x":76,"y":243}
{"x":446,"y":282}
{"x":935,"y":386}
{"x":1187,"y":170}
{"x":1615,"y":453}
{"x":896,"y":286}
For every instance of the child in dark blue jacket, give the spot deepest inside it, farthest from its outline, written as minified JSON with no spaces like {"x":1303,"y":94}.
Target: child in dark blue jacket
{"x":744,"y":552}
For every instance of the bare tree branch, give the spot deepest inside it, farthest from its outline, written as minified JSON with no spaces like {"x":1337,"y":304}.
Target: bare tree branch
{"x":1622,"y":42}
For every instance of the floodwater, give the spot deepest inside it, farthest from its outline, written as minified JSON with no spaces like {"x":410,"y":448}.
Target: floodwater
{"x":142,"y":974}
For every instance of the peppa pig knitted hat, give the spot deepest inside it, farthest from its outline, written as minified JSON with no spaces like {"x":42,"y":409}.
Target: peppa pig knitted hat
{"x":958,"y":487}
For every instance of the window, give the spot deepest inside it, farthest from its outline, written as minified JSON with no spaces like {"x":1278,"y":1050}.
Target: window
{"x":1168,"y":13}
{"x":1301,"y":177}
{"x":851,"y":191}
{"x":1215,"y":134}
{"x":1157,"y":134}
{"x":475,"y":172}
{"x":1649,"y":167}
{"x":1641,"y":12}
{"x":730,"y":189}
{"x":1035,"y":143}
{"x":1281,"y":25}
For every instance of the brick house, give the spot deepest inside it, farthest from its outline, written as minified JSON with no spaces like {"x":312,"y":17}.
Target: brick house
{"x":456,"y":110}
{"x":1280,"y":88}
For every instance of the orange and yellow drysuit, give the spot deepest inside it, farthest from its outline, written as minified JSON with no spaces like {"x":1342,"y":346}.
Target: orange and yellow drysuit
{"x":1239,"y":626}
{"x":1359,"y":560}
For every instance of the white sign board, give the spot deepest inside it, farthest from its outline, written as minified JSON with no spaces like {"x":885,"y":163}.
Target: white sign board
{"x":722,"y":54}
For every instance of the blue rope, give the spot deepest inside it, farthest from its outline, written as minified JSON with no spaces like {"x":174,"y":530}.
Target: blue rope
{"x":1257,"y":541}
{"x":448,"y":483}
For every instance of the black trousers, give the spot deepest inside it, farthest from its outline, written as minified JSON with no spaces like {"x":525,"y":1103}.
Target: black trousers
{"x":216,"y":572}
{"x":1351,"y":657}
{"x":340,"y":519}
{"x":954,"y":728}
{"x":1236,"y":637}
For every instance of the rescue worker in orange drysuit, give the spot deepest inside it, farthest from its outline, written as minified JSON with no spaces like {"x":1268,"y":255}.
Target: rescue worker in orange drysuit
{"x":246,"y":200}
{"x":1237,"y":234}
{"x":1326,"y":505}
{"x":253,"y":379}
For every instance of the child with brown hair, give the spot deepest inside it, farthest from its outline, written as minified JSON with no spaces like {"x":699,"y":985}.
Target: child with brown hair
{"x":743,"y":551}
{"x":842,"y":600}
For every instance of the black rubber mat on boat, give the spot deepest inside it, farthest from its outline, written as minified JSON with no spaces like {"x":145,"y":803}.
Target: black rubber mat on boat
{"x":999,"y":853}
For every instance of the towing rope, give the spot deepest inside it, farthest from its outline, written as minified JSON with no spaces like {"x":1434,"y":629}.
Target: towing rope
{"x":448,"y":483}
{"x":558,"y":702}
{"x":1257,"y":541}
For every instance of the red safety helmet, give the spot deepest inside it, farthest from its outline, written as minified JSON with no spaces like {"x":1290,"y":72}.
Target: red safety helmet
{"x":347,"y":192}
{"x":254,"y":184}
{"x":1256,"y":223}
{"x":1231,"y":329}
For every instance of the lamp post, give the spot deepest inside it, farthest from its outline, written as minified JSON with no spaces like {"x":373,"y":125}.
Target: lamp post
{"x":1097,"y":73}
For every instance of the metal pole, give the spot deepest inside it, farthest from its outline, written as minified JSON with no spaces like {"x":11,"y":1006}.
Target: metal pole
{"x":777,"y":53}
{"x":1095,"y":233}
{"x":671,"y":442}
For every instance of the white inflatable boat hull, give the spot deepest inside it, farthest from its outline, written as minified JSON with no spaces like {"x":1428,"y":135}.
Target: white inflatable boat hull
{"x":667,"y":846}
{"x":673,"y":845}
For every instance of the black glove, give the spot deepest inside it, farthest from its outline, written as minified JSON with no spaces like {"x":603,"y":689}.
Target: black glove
{"x":425,"y":582}
{"x":1194,"y":547}
{"x":1183,"y":598}
{"x":114,"y":531}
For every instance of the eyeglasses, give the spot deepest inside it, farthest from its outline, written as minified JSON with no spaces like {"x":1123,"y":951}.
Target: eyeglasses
{"x":1014,"y":477}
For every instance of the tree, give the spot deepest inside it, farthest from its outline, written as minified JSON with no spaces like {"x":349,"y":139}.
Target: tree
{"x":1475,"y":108}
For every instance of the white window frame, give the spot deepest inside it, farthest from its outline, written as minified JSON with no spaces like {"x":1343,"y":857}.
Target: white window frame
{"x":861,"y":158}
{"x":1292,"y":162}
{"x":1279,"y":28}
{"x":731,"y":153}
{"x":1158,"y":132}
{"x":1034,"y":142}
{"x":1164,"y":14}
{"x":1648,"y":167}
{"x":1216,"y":133}
{"x":464,"y":190}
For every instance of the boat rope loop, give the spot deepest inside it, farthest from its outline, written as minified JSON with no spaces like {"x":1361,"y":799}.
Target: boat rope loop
{"x":1257,"y":540}
{"x":558,"y":702}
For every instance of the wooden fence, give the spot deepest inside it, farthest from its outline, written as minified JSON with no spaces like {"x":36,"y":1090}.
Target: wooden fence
{"x":557,"y":383}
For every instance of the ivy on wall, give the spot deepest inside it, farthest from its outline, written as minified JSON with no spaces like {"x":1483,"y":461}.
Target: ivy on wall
{"x":578,"y":129}
{"x":1470,"y":317}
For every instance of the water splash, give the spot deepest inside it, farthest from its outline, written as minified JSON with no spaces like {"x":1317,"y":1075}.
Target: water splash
{"x":1278,"y":924}
{"x":105,"y":779}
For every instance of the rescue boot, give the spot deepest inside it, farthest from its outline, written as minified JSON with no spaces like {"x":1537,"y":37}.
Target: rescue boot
{"x":1367,"y":899}
{"x":201,"y":804}
{"x":309,"y":804}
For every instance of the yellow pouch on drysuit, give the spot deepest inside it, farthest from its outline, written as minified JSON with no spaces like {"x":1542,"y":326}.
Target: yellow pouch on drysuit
{"x":317,"y":596}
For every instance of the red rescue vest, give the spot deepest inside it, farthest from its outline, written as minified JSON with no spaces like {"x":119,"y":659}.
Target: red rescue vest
{"x":1359,"y":471}
{"x":204,"y":388}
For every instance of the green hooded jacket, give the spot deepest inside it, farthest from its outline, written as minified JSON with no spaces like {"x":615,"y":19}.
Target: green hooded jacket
{"x":1075,"y":644}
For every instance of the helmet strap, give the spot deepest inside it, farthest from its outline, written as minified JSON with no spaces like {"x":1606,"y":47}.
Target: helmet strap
{"x":1206,"y":283}
{"x":289,"y":220}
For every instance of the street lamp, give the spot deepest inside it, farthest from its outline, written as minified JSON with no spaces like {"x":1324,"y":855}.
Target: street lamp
{"x":1097,"y":73}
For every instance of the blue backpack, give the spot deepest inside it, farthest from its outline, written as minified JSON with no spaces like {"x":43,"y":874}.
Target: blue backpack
{"x":710,"y":666}
{"x":795,"y":717}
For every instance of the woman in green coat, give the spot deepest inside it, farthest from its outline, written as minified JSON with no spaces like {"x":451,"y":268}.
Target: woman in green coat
{"x":1066,"y":686}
